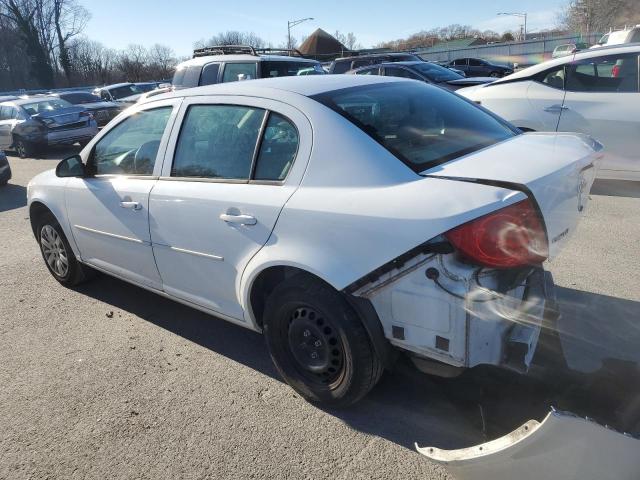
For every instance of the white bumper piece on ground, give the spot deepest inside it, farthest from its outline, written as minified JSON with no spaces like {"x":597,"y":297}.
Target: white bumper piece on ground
{"x":562,"y":446}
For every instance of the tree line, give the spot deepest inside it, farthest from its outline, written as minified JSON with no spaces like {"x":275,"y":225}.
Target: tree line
{"x":42,"y":46}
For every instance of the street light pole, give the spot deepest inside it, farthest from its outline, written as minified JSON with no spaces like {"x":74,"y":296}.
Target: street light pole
{"x":293,"y":23}
{"x":521,"y":15}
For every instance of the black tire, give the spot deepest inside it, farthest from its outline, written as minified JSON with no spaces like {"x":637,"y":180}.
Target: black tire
{"x":495,"y":74}
{"x":302,"y":311}
{"x":23,"y":148}
{"x":75,"y":272}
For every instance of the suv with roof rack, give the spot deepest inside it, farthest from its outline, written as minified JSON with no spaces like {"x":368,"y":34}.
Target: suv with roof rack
{"x":230,"y":63}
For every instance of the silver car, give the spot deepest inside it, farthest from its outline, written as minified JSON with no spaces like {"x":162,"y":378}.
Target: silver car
{"x":32,"y":124}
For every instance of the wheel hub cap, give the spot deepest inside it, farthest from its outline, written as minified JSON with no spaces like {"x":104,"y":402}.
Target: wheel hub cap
{"x":54,"y":251}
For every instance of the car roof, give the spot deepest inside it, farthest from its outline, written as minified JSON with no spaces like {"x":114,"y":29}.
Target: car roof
{"x":115,"y":85}
{"x":306,"y":85}
{"x":583,"y":54}
{"x":375,"y":55}
{"x":244,"y":57}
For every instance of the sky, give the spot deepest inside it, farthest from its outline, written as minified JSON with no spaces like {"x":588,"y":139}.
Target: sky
{"x":180,"y":23}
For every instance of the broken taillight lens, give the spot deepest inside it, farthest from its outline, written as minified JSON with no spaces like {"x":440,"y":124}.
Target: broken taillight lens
{"x":513,"y":236}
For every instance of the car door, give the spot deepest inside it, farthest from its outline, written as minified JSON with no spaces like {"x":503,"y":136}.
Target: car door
{"x":477,"y":68}
{"x":462,"y":64}
{"x":109,"y":210}
{"x":603,"y":100}
{"x":545,"y":95}
{"x":6,"y":124}
{"x":228,"y":172}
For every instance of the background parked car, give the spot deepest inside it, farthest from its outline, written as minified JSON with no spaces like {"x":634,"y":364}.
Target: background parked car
{"x":221,"y":64}
{"x":31,"y":124}
{"x":103,"y":111}
{"x":477,"y":67}
{"x":145,"y":87}
{"x":568,"y":49}
{"x":124,"y":94}
{"x":423,"y":71}
{"x":344,"y":64}
{"x":619,"y":37}
{"x":5,"y":169}
{"x":446,"y":65}
{"x":593,"y":91}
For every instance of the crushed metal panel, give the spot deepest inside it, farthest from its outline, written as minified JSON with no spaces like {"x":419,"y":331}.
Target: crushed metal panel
{"x":562,"y":446}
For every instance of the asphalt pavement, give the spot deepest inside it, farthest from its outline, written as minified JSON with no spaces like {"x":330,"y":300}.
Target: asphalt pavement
{"x":111,"y":381}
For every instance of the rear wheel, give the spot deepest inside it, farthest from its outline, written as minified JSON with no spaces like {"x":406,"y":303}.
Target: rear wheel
{"x":318,"y":343}
{"x":57,"y":253}
{"x":23,"y":148}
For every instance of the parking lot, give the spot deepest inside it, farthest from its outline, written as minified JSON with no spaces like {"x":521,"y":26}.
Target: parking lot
{"x":111,"y":381}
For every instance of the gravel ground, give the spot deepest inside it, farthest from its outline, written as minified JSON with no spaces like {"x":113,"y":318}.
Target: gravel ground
{"x":111,"y":381}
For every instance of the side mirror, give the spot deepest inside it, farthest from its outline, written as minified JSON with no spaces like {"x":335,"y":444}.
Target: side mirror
{"x":71,"y":167}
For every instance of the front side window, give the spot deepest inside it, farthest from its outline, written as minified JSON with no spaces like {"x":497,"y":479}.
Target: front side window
{"x":553,"y":77}
{"x":239,"y":71}
{"x":421,"y":125}
{"x":217,"y":141}
{"x":460,"y":61}
{"x":210,"y":74}
{"x":612,"y":73}
{"x":131,"y":147}
{"x":277,"y":150}
{"x":400,"y":72}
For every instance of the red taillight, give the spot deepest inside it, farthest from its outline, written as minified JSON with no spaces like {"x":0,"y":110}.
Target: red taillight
{"x":615,"y":71}
{"x":510,"y":237}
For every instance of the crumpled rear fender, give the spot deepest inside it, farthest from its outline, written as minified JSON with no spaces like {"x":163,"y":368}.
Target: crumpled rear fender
{"x":562,"y":446}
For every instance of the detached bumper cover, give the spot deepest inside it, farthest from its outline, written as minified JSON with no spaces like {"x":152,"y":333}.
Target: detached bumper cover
{"x":562,"y":446}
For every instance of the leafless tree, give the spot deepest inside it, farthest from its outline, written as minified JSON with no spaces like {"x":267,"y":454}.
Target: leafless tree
{"x":349,"y":40}
{"x":589,"y":16}
{"x":132,"y":62}
{"x":162,"y":61}
{"x":69,"y":19}
{"x":232,"y":37}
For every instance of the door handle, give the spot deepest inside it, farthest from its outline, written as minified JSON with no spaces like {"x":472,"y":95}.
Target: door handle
{"x":238,"y":219}
{"x":131,"y":205}
{"x":556,"y":108}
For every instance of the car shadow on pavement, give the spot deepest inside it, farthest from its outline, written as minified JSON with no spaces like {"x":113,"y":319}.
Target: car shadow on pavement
{"x":12,"y":196}
{"x":406,"y":406}
{"x":616,"y":188}
{"x":58,"y":152}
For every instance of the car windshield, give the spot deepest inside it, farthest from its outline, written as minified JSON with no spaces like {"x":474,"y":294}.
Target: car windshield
{"x":124,"y":91}
{"x":45,"y":105}
{"x":436,"y":73}
{"x":422,"y":125}
{"x":290,"y":69}
{"x":80,"y":98}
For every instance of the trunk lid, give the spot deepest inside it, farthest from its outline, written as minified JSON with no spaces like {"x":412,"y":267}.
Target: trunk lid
{"x":61,"y":116}
{"x":555,"y":170}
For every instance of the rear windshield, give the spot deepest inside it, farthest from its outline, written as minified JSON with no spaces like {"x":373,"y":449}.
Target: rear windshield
{"x":290,"y":69}
{"x":422,"y":125}
{"x":45,"y":105}
{"x":436,"y":73}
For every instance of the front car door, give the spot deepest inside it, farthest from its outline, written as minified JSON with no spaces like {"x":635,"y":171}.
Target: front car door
{"x":228,"y":171}
{"x":109,"y":210}
{"x":603,"y":100}
{"x":545,"y":94}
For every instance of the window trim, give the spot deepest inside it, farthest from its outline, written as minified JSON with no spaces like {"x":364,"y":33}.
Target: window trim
{"x":256,"y":152}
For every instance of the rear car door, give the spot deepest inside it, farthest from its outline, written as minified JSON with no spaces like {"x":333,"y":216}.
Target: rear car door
{"x":603,"y":100}
{"x":477,"y":68}
{"x":109,"y":210}
{"x":228,"y":171}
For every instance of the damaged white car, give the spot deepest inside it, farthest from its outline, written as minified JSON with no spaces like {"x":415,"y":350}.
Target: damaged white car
{"x":347,"y":217}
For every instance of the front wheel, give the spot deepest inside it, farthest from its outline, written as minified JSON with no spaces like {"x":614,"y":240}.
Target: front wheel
{"x":23,"y":148}
{"x":57,"y":253}
{"x":318,"y":343}
{"x":495,"y":74}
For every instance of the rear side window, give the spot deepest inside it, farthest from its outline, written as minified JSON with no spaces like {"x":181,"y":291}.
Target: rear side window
{"x":217,"y":141}
{"x":277,"y":150}
{"x":341,"y":67}
{"x":612,"y":73}
{"x":210,"y":74}
{"x":239,"y":71}
{"x":421,"y":125}
{"x":290,"y":69}
{"x":553,"y":77}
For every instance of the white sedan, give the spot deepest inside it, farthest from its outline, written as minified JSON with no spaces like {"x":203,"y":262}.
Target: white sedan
{"x":347,"y":217}
{"x":593,"y":91}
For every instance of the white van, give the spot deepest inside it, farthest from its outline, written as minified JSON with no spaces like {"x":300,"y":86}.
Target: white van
{"x":619,"y":37}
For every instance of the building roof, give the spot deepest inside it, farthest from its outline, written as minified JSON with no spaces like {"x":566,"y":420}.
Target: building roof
{"x":320,"y":43}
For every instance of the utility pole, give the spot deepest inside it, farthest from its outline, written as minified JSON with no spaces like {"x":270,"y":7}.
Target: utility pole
{"x":290,"y":25}
{"x":521,"y":15}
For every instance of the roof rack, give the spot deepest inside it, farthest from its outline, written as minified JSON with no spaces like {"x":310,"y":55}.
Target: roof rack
{"x":225,"y":50}
{"x":291,"y":52}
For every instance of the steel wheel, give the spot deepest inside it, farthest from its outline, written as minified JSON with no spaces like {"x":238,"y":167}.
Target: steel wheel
{"x":54,"y":251}
{"x":315,"y":346}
